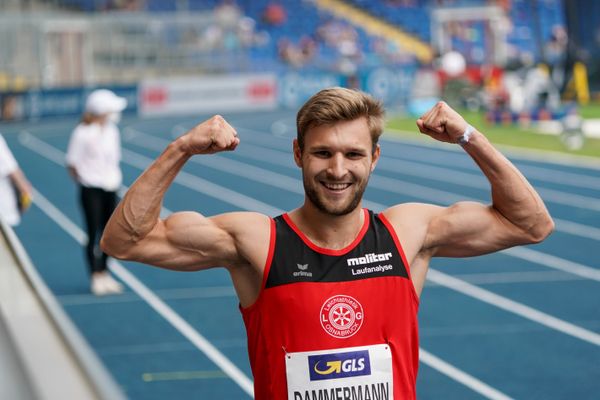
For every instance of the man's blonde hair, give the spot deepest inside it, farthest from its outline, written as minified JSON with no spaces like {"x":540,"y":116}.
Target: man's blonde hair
{"x":339,"y":104}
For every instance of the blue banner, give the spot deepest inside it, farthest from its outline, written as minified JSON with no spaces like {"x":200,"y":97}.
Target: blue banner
{"x":43,"y":103}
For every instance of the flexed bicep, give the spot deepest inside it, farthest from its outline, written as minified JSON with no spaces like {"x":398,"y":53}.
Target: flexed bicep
{"x":185,"y":241}
{"x":467,"y":229}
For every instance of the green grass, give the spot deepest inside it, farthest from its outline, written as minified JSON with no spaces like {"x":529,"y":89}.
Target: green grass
{"x":513,"y":135}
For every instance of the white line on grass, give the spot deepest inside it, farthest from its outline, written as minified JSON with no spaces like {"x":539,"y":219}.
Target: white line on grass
{"x":196,"y":338}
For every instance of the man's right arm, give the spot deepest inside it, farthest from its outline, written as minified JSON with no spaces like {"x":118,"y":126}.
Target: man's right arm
{"x":184,"y":240}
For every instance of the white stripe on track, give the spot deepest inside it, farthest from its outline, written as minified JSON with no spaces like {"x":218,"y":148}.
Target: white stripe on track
{"x":512,"y":306}
{"x":153,"y":301}
{"x":205,"y":187}
{"x":185,"y":329}
{"x":458,"y":375}
{"x":551,"y":261}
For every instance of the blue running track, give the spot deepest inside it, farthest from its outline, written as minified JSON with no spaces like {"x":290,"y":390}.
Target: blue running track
{"x":521,"y":324}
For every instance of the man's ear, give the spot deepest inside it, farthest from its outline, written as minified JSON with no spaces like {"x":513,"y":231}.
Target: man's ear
{"x":376,"y":155}
{"x":297,"y":154}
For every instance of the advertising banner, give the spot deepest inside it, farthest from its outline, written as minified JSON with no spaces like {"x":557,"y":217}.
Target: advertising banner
{"x":173,"y":96}
{"x":59,"y":102}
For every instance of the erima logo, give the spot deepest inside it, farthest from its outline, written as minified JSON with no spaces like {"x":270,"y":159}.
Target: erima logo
{"x":303,"y":271}
{"x":339,"y":365}
{"x":369,"y":258}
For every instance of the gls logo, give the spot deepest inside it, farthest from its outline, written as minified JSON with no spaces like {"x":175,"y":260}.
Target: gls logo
{"x":339,"y":365}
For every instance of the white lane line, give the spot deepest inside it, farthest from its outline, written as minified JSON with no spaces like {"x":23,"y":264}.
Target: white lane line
{"x":496,"y":278}
{"x":185,"y":179}
{"x":512,"y":306}
{"x":554,"y":262}
{"x":154,"y":301}
{"x":577,"y":229}
{"x":561,"y":177}
{"x":460,"y":376}
{"x":204,"y":292}
{"x":205,"y":187}
{"x":438,"y":151}
{"x":199,"y":341}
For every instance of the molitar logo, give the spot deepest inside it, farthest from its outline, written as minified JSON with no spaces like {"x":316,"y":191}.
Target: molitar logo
{"x":368,"y":259}
{"x":339,"y":365}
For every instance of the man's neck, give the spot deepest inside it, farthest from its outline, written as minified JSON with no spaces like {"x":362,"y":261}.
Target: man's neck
{"x":325,"y":230}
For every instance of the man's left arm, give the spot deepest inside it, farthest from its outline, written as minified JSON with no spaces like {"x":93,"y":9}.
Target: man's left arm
{"x":517,"y":214}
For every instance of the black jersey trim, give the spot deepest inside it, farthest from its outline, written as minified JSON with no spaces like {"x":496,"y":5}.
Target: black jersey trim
{"x":326,"y":251}
{"x":376,"y":254}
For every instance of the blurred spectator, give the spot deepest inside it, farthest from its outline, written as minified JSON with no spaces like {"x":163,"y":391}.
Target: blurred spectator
{"x":344,"y":39}
{"x":15,"y":190}
{"x":128,"y":5}
{"x":556,"y":55}
{"x":274,"y":14}
{"x":93,"y":159}
{"x":227,"y":14}
{"x":297,"y":55}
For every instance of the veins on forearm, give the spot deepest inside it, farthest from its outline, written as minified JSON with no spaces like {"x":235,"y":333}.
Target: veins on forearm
{"x":139,"y":217}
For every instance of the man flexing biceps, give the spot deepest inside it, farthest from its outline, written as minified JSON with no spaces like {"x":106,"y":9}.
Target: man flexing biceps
{"x":329,"y":289}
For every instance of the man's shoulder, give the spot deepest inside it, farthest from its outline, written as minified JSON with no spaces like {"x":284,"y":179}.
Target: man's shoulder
{"x":248,"y":222}
{"x":411,"y":214}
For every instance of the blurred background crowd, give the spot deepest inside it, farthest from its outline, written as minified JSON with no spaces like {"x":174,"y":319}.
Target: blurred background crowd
{"x":517,"y":59}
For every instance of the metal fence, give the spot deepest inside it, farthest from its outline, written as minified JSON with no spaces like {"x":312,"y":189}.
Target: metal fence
{"x":60,"y":50}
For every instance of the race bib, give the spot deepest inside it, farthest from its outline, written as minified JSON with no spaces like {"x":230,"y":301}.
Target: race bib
{"x":363,"y":372}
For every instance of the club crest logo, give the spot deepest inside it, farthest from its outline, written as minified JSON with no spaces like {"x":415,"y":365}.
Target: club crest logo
{"x":341,"y":316}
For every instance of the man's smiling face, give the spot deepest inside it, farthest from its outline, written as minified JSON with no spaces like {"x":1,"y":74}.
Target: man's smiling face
{"x":336,"y":162}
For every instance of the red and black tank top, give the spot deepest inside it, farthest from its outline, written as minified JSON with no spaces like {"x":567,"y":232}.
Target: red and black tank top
{"x":315,"y":299}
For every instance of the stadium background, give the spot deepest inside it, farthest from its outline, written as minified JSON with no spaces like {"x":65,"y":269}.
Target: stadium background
{"x":524,"y":66}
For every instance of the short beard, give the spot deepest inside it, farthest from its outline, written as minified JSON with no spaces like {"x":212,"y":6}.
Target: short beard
{"x":314,"y":198}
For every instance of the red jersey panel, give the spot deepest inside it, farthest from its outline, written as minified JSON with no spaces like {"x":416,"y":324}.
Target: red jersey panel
{"x":315,"y":299}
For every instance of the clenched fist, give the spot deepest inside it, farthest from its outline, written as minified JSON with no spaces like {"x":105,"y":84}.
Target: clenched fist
{"x":211,"y":136}
{"x":442,"y":123}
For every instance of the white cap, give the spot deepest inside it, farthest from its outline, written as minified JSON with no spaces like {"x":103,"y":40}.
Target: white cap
{"x":103,"y":101}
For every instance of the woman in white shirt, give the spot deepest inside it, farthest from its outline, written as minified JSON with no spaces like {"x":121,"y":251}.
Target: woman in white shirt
{"x":93,"y":160}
